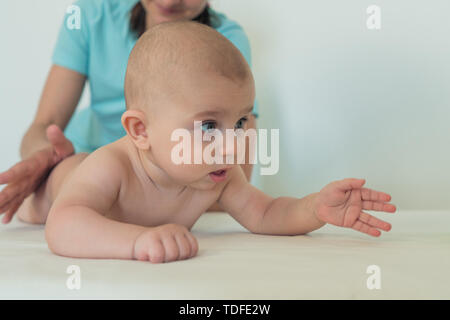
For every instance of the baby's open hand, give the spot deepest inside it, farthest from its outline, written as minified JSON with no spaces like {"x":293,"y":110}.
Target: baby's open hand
{"x":169,"y":242}
{"x":341,"y":203}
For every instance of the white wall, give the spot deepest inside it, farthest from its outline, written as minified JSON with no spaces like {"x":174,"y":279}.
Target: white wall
{"x":349,"y":102}
{"x":28,"y":32}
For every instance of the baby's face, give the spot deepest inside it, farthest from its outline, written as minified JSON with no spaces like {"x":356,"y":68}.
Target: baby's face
{"x":218,"y":103}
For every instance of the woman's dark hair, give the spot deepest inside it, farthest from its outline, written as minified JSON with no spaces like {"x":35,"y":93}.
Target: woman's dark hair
{"x":137,"y":18}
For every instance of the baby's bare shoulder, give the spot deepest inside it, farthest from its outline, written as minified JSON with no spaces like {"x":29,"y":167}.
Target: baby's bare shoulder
{"x":96,"y":181}
{"x":105,"y":161}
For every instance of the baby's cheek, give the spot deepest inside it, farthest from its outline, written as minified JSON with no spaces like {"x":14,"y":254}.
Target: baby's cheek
{"x":183,"y":173}
{"x":184,"y":161}
{"x":184,"y":151}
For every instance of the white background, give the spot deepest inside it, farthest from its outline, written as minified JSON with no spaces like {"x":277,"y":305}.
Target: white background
{"x":349,"y":102}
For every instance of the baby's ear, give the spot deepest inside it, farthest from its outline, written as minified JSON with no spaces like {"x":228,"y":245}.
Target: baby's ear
{"x":135,"y":124}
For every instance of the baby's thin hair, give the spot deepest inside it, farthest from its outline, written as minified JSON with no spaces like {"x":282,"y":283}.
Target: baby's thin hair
{"x":182,"y":46}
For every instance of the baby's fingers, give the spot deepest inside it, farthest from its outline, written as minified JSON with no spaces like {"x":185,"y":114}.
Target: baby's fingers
{"x":371,"y":221}
{"x":365,"y":228}
{"x":156,"y":251}
{"x":171,"y":248}
{"x":184,"y":246}
{"x":349,"y":183}
{"x":378,"y":206}
{"x":372,"y":195}
{"x":193,"y":242}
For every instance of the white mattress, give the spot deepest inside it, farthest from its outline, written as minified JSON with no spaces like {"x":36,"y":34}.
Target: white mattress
{"x":330,"y":263}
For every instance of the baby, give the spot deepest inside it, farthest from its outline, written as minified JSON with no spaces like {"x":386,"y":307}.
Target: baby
{"x":129,"y":200}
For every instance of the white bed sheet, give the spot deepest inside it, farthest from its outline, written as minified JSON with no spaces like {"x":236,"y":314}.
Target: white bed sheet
{"x":330,"y":263}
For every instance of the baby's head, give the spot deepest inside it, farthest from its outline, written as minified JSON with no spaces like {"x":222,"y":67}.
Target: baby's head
{"x":178,"y":73}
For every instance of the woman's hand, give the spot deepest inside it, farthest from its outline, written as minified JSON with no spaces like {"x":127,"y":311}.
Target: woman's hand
{"x":25,"y":177}
{"x":341,"y":203}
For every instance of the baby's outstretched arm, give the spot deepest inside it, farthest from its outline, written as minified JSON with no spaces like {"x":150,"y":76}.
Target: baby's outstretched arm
{"x":342,"y":202}
{"x":77,"y":227}
{"x":339,"y":203}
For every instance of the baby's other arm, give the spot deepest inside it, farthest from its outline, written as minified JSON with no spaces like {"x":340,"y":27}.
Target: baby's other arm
{"x":77,"y":226}
{"x":263,"y":214}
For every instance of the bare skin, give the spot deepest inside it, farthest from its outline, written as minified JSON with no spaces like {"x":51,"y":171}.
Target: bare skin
{"x":130,"y":200}
{"x":41,"y":150}
{"x":106,"y":205}
{"x":118,"y":195}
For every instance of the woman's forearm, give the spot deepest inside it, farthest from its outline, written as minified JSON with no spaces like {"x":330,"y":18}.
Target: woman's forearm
{"x":59,"y":98}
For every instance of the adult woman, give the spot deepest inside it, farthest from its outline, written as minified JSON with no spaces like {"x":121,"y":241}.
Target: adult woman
{"x":97,"y":50}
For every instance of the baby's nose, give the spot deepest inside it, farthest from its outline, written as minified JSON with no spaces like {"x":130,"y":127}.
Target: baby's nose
{"x":229,"y":149}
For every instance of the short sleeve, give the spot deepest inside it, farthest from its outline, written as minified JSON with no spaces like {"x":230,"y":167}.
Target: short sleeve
{"x":72,"y":45}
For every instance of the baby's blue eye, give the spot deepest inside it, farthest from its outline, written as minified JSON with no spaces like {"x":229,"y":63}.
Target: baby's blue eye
{"x":240,"y":124}
{"x":207,"y":126}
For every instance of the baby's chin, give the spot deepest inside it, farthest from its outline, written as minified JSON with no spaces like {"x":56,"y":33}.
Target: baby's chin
{"x":205,"y":183}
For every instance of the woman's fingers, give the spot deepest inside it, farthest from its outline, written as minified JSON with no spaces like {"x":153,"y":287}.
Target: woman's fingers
{"x":17,"y":190}
{"x":6,"y":176}
{"x":8,"y":194}
{"x":10,"y":213}
{"x":18,"y":171}
{"x":5,"y":206}
{"x":23,"y":170}
{"x":378,"y":206}
{"x":23,"y":178}
{"x":62,"y":146}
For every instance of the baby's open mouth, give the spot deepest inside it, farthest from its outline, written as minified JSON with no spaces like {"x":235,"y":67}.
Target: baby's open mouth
{"x":218,"y":175}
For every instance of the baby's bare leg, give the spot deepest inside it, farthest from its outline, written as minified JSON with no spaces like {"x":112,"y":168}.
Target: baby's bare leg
{"x":35,"y":207}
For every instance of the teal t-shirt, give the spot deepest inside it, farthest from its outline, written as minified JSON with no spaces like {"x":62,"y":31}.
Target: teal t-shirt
{"x":99,"y":48}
